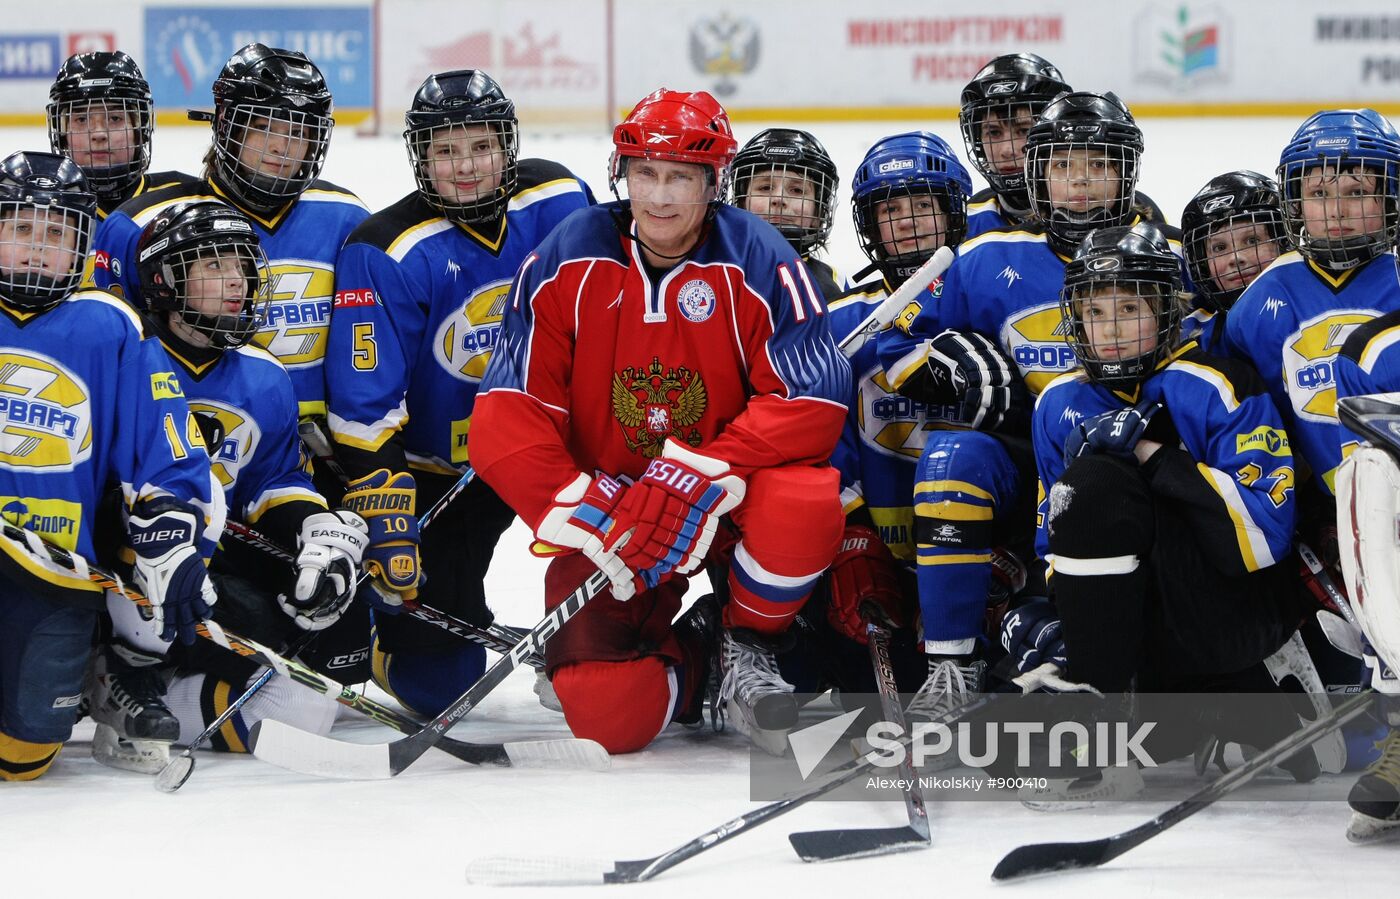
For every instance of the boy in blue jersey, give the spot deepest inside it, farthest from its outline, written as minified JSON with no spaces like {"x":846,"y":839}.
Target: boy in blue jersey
{"x":1231,"y":230}
{"x":1167,"y":500}
{"x":89,"y":402}
{"x":204,"y":279}
{"x":999,"y":305}
{"x":998,"y":108}
{"x":272,"y":125}
{"x":785,"y":177}
{"x":420,"y":292}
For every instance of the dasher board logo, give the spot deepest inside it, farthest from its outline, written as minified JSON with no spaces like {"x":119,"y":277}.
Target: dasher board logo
{"x":725,"y":48}
{"x":1183,"y":46}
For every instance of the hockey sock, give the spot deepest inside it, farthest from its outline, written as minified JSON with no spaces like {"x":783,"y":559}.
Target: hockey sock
{"x":21,"y":760}
{"x":426,"y":683}
{"x":197,"y":699}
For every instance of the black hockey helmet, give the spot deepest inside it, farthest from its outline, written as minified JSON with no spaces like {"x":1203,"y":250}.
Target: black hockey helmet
{"x":784,"y":152}
{"x":91,"y":84}
{"x":268,"y":103}
{"x":1100,"y":126}
{"x":1008,"y":87}
{"x":1241,"y":198}
{"x":1131,"y":263}
{"x":47,"y":212}
{"x":460,"y":99}
{"x":201,"y":250}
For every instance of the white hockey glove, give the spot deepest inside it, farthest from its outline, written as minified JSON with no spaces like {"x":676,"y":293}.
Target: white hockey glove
{"x":164,"y":533}
{"x":332,"y":545}
{"x":581,"y":518}
{"x":1050,"y":678}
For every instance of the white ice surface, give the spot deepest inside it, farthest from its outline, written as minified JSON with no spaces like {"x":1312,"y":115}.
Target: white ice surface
{"x":242,"y":828}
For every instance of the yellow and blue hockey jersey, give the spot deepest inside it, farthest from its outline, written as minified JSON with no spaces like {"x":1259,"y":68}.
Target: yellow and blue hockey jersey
{"x":1006,"y":286}
{"x":89,"y":401}
{"x":884,"y":433}
{"x":1370,"y":361}
{"x":418,"y":307}
{"x":302,"y":243}
{"x":258,"y":461}
{"x":1232,"y":476}
{"x":1290,"y":323}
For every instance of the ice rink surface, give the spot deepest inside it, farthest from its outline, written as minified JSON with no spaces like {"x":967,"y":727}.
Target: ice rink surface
{"x":243,"y":828}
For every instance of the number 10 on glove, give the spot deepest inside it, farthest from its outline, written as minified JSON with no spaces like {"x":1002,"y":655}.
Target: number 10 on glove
{"x":386,"y":501}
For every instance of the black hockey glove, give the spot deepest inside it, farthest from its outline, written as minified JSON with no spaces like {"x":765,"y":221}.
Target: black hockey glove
{"x":967,"y":369}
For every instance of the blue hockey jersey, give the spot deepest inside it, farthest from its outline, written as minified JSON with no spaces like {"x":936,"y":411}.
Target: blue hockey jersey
{"x":418,"y":308}
{"x":884,"y":432}
{"x":1290,"y":324}
{"x":1370,"y":361}
{"x":88,"y":401}
{"x":302,"y":243}
{"x":1235,"y":479}
{"x":258,"y":463}
{"x":1005,"y":285}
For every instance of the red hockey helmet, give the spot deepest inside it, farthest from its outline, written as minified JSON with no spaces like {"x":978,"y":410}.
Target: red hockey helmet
{"x":676,"y":126}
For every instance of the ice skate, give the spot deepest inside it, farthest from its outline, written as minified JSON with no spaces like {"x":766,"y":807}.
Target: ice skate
{"x":754,"y":695}
{"x":134,"y":726}
{"x":1375,"y":798}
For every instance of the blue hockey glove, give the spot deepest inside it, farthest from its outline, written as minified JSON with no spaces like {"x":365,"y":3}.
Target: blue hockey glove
{"x":385,"y":501}
{"x":169,"y":570}
{"x":1030,"y":634}
{"x":1112,"y":433}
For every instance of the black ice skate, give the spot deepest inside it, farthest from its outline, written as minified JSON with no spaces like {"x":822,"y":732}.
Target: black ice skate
{"x":1375,"y":798}
{"x":134,"y":726}
{"x":754,"y":695}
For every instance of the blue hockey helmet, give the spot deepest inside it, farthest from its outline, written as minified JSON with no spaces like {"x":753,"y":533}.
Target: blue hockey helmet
{"x":1330,"y":145}
{"x":915,"y":164}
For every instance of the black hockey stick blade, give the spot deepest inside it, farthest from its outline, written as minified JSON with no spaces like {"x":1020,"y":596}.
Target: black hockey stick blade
{"x":837,"y":845}
{"x":1047,"y":858}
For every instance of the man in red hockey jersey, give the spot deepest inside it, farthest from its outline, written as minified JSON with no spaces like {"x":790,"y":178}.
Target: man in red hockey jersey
{"x":665,"y":360}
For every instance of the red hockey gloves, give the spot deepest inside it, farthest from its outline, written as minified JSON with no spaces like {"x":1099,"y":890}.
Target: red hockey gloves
{"x":862,"y":573}
{"x":164,"y":533}
{"x":385,"y":501}
{"x":1113,"y":433}
{"x":331,"y":547}
{"x":669,"y":516}
{"x":638,"y":534}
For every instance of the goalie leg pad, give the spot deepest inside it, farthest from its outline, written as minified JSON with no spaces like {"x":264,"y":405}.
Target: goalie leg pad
{"x":621,"y":705}
{"x":1368,"y":538}
{"x":607,"y":630}
{"x":22,"y":760}
{"x":790,"y":526}
{"x":44,"y":649}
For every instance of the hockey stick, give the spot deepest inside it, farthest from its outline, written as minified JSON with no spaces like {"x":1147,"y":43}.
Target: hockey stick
{"x":835,"y":845}
{"x":558,"y":871}
{"x":1329,"y":586}
{"x":497,"y":638}
{"x":1047,"y":858}
{"x":309,"y":753}
{"x":895,"y":302}
{"x":587,"y":752}
{"x":179,"y":769}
